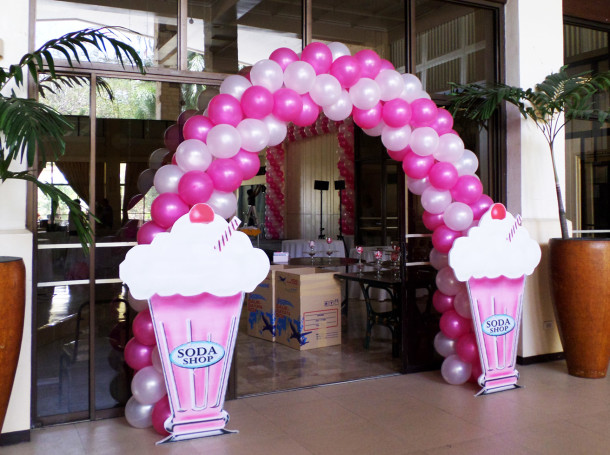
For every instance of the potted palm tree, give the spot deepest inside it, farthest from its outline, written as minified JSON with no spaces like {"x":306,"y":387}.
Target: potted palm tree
{"x":579,"y":266}
{"x":29,"y":131}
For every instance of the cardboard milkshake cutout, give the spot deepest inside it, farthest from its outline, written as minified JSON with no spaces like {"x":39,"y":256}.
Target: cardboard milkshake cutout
{"x":493,"y":260}
{"x":194,"y":278}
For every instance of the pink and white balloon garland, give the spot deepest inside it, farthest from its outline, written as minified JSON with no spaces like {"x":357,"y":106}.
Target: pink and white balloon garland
{"x":251,"y":113}
{"x":274,"y":196}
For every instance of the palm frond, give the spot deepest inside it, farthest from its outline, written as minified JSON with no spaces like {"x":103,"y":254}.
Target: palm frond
{"x":26,"y":124}
{"x":61,"y":81}
{"x":79,"y":218}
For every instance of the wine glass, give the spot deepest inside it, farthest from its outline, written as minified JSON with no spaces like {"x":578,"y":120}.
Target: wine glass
{"x":359,"y":250}
{"x":378,"y":256}
{"x":312,"y":250}
{"x":329,"y":251}
{"x":395,"y":258}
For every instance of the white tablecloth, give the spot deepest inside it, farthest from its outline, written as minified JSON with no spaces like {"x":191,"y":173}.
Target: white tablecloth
{"x":299,"y":248}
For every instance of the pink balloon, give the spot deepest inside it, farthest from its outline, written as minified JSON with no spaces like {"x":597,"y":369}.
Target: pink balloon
{"x":160,"y":413}
{"x":284,"y":57}
{"x":442,"y":302}
{"x":481,"y":206}
{"x":172,"y":138}
{"x":432,"y":220}
{"x":396,"y":113}
{"x":148,"y":231}
{"x":453,"y":325}
{"x":466,"y":348}
{"x":248,"y":163}
{"x":309,"y":113}
{"x":346,"y":70}
{"x":143,"y":328}
{"x":468,"y":189}
{"x":370,"y":63}
{"x":257,"y":102}
{"x":138,"y":355}
{"x":225,"y":108}
{"x":226,"y":174}
{"x":476,"y":371}
{"x":417,"y":166}
{"x":423,"y":112}
{"x":443,"y":123}
{"x":195,"y":187}
{"x":197,"y":127}
{"x":443,"y":175}
{"x":399,"y":155}
{"x":367,"y":118}
{"x":288,"y":104}
{"x":319,"y":56}
{"x":385,"y":64}
{"x":167,"y":208}
{"x":443,"y":238}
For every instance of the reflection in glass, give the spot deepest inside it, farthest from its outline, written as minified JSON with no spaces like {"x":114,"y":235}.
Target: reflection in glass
{"x":150,"y":27}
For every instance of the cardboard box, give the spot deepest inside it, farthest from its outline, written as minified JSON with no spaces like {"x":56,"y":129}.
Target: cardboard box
{"x":307,"y":308}
{"x":260,"y":305}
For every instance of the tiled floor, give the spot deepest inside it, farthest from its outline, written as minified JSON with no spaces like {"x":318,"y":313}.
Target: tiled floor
{"x":411,"y":414}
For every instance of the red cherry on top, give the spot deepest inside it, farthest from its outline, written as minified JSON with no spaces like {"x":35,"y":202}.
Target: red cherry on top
{"x":201,"y":213}
{"x":498,"y":211}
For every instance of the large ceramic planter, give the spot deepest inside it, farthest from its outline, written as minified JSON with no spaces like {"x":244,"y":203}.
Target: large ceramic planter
{"x":580,"y":285}
{"x":12,"y":310}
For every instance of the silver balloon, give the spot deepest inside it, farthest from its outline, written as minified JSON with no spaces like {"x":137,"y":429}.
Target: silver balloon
{"x":461,"y":303}
{"x":455,"y":371}
{"x":438,"y":260}
{"x":444,"y":345}
{"x":145,"y":180}
{"x":205,"y":96}
{"x":138,"y":415}
{"x":224,"y":204}
{"x":156,"y":158}
{"x":148,"y":386}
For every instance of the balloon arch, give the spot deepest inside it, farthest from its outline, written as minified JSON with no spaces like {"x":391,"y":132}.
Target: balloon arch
{"x":284,"y":96}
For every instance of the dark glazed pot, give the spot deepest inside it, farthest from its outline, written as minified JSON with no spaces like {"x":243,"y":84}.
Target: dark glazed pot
{"x":12,"y":311}
{"x":580,"y":285}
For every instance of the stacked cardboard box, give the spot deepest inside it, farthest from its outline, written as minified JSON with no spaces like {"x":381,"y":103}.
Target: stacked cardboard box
{"x":307,"y":308}
{"x":261,"y":306}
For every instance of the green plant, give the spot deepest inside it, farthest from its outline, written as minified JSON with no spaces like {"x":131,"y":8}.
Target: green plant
{"x":559,"y":93}
{"x":31,"y":130}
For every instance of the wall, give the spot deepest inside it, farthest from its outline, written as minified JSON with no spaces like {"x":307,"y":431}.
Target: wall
{"x":534,"y":48}
{"x":15,"y":240}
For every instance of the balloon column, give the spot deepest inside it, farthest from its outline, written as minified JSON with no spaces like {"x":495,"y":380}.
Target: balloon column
{"x":220,"y":149}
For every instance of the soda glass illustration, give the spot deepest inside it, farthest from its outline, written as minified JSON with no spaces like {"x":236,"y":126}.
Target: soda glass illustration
{"x":194,"y":278}
{"x":493,"y":260}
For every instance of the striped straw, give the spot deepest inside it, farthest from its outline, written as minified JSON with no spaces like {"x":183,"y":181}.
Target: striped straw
{"x":226,"y":236}
{"x":513,"y":230}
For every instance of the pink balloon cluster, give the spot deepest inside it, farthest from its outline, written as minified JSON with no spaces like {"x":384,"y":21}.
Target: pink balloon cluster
{"x":148,"y":405}
{"x":274,"y":196}
{"x":345,"y":164}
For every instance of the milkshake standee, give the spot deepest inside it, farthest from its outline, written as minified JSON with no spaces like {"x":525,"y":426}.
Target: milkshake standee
{"x":194,"y":278}
{"x":494,"y":259}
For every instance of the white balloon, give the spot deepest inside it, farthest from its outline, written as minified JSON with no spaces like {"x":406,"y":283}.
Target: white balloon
{"x":412,"y":87}
{"x":467,"y":164}
{"x":434,"y":200}
{"x":137,"y":305}
{"x":450,"y":148}
{"x":338,"y":50}
{"x":341,"y":109}
{"x":267,"y":73}
{"x":365,"y":93}
{"x":254,"y":134}
{"x":235,"y":85}
{"x":224,"y":204}
{"x":438,"y":260}
{"x":396,"y":138}
{"x":193,"y":155}
{"x":376,"y":130}
{"x":299,"y":76}
{"x":277,"y":130}
{"x":224,"y":141}
{"x":455,"y":371}
{"x":138,"y":415}
{"x":325,"y":90}
{"x":390,"y":83}
{"x":424,"y":141}
{"x":148,"y":386}
{"x":167,"y":178}
{"x":444,"y":345}
{"x":447,"y":283}
{"x":458,"y":216}
{"x":417,"y":186}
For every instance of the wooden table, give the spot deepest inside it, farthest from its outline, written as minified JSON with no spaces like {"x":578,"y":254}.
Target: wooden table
{"x":323,"y":262}
{"x":392,"y":284}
